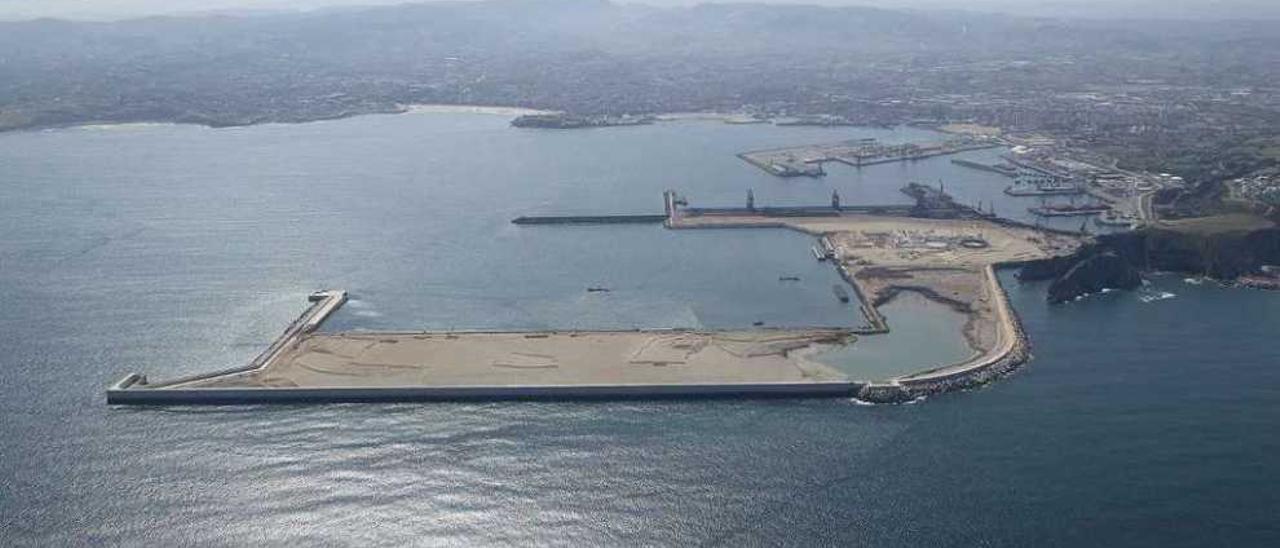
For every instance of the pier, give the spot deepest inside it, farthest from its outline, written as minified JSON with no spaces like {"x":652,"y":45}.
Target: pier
{"x":808,"y":159}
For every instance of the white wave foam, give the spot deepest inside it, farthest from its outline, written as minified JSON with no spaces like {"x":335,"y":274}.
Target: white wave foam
{"x":1156,"y":296}
{"x":913,"y":401}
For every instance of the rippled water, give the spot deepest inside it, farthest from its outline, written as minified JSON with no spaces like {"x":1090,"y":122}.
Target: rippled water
{"x":171,"y":250}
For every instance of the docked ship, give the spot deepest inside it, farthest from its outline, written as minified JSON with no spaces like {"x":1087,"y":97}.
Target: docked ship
{"x":1003,"y":169}
{"x":1034,"y":179}
{"x":1070,"y":210}
{"x":1112,"y":217}
{"x":840,"y":293}
{"x":1047,"y":187}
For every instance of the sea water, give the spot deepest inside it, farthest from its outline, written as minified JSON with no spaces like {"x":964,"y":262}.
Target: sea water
{"x":177,"y":249}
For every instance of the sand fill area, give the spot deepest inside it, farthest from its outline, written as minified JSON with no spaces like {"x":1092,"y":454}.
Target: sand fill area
{"x":553,"y":358}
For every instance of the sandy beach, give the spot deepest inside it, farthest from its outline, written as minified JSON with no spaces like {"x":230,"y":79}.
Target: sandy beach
{"x":471,"y":109}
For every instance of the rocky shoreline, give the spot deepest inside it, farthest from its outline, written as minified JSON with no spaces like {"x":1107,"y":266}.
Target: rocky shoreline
{"x":910,"y":391}
{"x":1116,"y":261}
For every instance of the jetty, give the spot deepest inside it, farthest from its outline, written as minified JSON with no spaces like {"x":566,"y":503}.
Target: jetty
{"x":807,"y":160}
{"x":1007,"y":171}
{"x":589,"y":219}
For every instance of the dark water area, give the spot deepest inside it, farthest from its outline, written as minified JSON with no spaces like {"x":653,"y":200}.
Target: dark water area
{"x":1145,"y":418}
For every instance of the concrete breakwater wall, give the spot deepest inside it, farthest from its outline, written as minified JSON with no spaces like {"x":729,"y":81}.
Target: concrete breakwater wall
{"x":324,"y":304}
{"x":221,"y":396}
{"x":1011,"y":352}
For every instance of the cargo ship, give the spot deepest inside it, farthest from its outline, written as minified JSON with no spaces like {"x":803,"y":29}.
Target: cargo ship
{"x":1114,"y":218}
{"x":1070,"y":210}
{"x":1044,"y":188}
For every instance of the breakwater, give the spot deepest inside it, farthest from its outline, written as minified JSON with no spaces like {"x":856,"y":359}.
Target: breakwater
{"x":323,"y":305}
{"x":1007,"y":172}
{"x":589,"y":219}
{"x":1010,"y":352}
{"x":452,"y":377}
{"x":225,"y":396}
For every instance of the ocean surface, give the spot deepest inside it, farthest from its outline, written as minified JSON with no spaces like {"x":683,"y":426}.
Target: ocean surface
{"x":1146,"y":418}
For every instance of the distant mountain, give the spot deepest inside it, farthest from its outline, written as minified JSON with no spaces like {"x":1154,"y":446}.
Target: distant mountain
{"x":584,"y":55}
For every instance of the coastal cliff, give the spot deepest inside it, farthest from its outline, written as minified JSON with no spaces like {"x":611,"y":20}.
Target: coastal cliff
{"x":1224,"y":251}
{"x":1104,"y":270}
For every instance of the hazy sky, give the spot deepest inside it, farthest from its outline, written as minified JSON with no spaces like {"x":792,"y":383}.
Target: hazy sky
{"x":117,"y":9}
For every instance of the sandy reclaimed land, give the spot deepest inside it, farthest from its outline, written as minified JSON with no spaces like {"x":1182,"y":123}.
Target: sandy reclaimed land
{"x":887,"y":240}
{"x":559,"y":358}
{"x":886,"y":255}
{"x":962,"y":289}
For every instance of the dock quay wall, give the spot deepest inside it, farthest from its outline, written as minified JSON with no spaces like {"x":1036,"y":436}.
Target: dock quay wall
{"x":800,"y":211}
{"x":861,"y":162}
{"x":912,"y":157}
{"x":982,"y":167}
{"x":876,"y":324}
{"x":224,"y":396}
{"x":1005,"y":221}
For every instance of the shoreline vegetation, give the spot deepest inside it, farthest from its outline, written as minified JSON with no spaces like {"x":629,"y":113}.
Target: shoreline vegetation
{"x":410,"y":108}
{"x":403,"y":109}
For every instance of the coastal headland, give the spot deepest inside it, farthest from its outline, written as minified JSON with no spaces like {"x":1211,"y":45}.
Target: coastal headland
{"x":880,"y":252}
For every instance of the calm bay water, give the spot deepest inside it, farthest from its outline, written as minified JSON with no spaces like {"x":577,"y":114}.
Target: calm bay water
{"x":170,"y":250}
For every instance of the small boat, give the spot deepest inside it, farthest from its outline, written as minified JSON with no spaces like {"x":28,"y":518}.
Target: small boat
{"x":757,"y":323}
{"x":841,"y":293}
{"x":597,"y":289}
{"x":819,"y":255}
{"x":788,"y":278}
